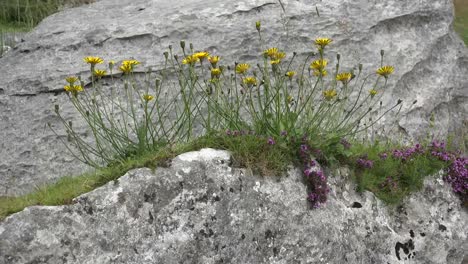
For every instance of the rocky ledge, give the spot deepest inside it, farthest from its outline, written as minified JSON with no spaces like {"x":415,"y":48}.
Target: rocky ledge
{"x":202,"y":210}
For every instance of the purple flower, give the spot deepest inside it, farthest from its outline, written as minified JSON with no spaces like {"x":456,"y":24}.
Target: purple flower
{"x":383,"y":156}
{"x":365,"y":163}
{"x":228,"y":132}
{"x":271,"y":141}
{"x":284,"y":133}
{"x":345,"y":143}
{"x":236,"y":132}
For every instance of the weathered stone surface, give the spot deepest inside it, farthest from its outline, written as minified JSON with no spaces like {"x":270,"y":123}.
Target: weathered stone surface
{"x":200,"y":210}
{"x":431,"y":61}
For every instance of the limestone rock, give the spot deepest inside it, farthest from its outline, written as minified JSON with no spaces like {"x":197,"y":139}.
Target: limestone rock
{"x":431,"y":61}
{"x":201,"y":210}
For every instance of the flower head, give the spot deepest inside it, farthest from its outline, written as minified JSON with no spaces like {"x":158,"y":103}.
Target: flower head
{"x":344,"y":77}
{"x":74,"y":89}
{"x":250,"y":81}
{"x":322,"y":73}
{"x":270,"y":52}
{"x":385,"y":71}
{"x":99,"y":73}
{"x":329,"y":94}
{"x":322,"y":42}
{"x":202,"y":55}
{"x":275,"y":62}
{"x":71,"y":79}
{"x":215,"y":72}
{"x":290,"y":74}
{"x":258,"y":24}
{"x":271,"y":141}
{"x":190,"y":59}
{"x":93,"y":60}
{"x":148,"y":97}
{"x":242,"y":68}
{"x":319,"y":65}
{"x":126,"y":68}
{"x":372,"y":92}
{"x":131,"y":62}
{"x":213,"y":60}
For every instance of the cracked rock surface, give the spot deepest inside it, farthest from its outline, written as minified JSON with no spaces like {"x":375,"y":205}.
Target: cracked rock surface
{"x":201,"y":210}
{"x":430,"y":59}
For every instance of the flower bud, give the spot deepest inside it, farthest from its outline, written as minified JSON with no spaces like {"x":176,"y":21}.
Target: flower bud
{"x":56,"y":108}
{"x":360,"y":67}
{"x":157,"y":83}
{"x":338,"y":57}
{"x":399,"y":101}
{"x":382,"y":52}
{"x":182,"y":44}
{"x":170,"y":47}
{"x":70,"y":124}
{"x":258,"y":25}
{"x":191,"y":46}
{"x":166,"y":54}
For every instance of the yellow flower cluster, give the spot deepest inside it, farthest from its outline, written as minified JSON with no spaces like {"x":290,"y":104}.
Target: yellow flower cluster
{"x":275,"y":55}
{"x":127,"y":66}
{"x":74,"y":89}
{"x":290,"y":74}
{"x":196,"y":57}
{"x":99,"y":73}
{"x":319,"y":67}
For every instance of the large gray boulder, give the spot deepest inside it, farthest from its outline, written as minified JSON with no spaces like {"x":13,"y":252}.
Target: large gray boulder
{"x":431,"y":61}
{"x":201,"y":210}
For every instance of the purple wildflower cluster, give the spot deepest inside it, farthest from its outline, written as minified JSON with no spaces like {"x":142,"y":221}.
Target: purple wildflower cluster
{"x":457,"y":166}
{"x":345,"y":143}
{"x":364,"y":162}
{"x":315,"y":178}
{"x":407,"y":153}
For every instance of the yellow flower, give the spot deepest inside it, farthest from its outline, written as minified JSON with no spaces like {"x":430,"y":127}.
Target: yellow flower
{"x":242,"y":68}
{"x":215,"y":72}
{"x":344,"y":77}
{"x":190,"y":59}
{"x":74,"y":89}
{"x":290,"y":74}
{"x":318,"y":64}
{"x":258,"y":25}
{"x":329,"y":94}
{"x":99,"y":73}
{"x":130,"y":62}
{"x":202,"y":55}
{"x":111,"y":62}
{"x":320,"y":73}
{"x":373,"y":92}
{"x":274,"y":62}
{"x":271,"y":52}
{"x":322,"y":42}
{"x":126,"y":68}
{"x":279,"y":56}
{"x":213,"y":60}
{"x":148,"y":97}
{"x":385,"y":71}
{"x":250,"y":81}
{"x":93,"y":60}
{"x":290,"y":99}
{"x":71,"y":79}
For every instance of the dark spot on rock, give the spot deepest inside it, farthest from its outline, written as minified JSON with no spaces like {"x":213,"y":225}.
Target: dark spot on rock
{"x":202,"y":232}
{"x":191,"y":208}
{"x":181,"y":184}
{"x":231,"y":189}
{"x":203,"y":199}
{"x":269,"y":234}
{"x":411,"y":233}
{"x":423,"y":234}
{"x":141,"y":9}
{"x":151,"y":218}
{"x":116,"y":182}
{"x":275,"y":251}
{"x":210,"y":232}
{"x":216,"y":198}
{"x":222,"y":188}
{"x":449,"y":210}
{"x":223,"y":247}
{"x":442,"y":228}
{"x":407,"y":247}
{"x":356,"y":205}
{"x":243,"y":236}
{"x":88,"y":209}
{"x":121,"y":198}
{"x":135,"y":250}
{"x":149,"y":197}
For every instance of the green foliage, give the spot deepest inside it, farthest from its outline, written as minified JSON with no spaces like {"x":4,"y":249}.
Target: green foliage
{"x":391,"y":179}
{"x":461,"y":19}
